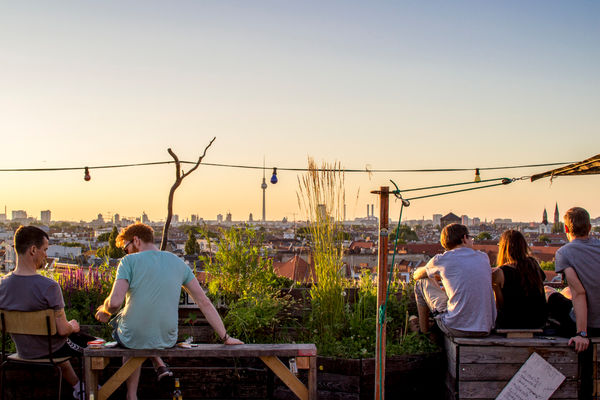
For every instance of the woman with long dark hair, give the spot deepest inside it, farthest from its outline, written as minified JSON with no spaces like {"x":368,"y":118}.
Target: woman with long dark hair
{"x":518,"y":284}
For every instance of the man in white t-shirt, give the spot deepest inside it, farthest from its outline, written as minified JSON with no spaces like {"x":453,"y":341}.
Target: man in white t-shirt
{"x":464,"y":304}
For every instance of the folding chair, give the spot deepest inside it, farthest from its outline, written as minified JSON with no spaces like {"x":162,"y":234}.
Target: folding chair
{"x":29,"y":323}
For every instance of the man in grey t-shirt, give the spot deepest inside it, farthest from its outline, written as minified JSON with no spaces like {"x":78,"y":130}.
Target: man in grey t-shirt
{"x":465,"y":306}
{"x":579,"y":261}
{"x":25,"y":290}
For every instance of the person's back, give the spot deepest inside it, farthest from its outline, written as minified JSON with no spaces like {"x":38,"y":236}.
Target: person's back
{"x":521,"y":309}
{"x":150,"y":316}
{"x":466,"y":276}
{"x":31,"y":293}
{"x":583,"y":255}
{"x":465,"y":306}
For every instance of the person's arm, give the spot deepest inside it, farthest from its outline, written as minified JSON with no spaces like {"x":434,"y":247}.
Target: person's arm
{"x":497,"y":285}
{"x":114,"y":301}
{"x":580,"y":307}
{"x":212,"y":316}
{"x":64,"y":327}
{"x":420,"y":273}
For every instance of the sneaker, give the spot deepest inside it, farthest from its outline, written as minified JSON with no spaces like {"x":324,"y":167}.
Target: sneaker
{"x":79,"y":391}
{"x":162,"y":372}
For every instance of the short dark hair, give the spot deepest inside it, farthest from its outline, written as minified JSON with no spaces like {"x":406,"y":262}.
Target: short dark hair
{"x":577,"y":219}
{"x":452,"y":235}
{"x":27,"y":236}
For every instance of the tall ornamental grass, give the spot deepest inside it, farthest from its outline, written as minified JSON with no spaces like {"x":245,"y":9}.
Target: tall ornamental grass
{"x":321,"y":198}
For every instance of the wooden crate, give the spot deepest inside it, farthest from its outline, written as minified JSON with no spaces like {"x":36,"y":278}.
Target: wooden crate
{"x":479,"y":368}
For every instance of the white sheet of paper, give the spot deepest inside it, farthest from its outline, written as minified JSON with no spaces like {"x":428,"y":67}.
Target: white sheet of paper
{"x":536,"y":379}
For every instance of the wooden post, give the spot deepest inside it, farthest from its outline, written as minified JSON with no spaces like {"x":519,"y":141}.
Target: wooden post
{"x":382,"y":276}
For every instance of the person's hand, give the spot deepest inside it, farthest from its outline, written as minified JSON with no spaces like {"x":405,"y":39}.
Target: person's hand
{"x":75,"y":325}
{"x":231,"y":341}
{"x":581,"y":343}
{"x":102,"y":315}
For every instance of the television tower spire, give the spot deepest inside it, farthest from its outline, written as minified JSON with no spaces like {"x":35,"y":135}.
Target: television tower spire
{"x":264,"y":188}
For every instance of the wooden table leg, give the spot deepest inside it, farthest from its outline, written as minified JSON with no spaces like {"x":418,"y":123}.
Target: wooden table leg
{"x":290,"y":380}
{"x":91,"y":379}
{"x":312,"y":379}
{"x":119,"y":377}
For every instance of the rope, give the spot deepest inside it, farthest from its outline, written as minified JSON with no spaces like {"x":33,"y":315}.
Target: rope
{"x":406,"y":202}
{"x":383,"y":307}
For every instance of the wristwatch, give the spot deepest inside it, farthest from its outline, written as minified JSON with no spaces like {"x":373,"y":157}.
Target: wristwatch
{"x":582,"y":334}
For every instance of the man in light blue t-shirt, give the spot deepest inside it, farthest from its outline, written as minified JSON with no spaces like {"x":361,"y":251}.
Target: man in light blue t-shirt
{"x":149,"y":282}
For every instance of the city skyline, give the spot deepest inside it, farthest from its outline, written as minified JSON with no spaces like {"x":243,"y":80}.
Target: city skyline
{"x":369,"y":85}
{"x":117,"y":218}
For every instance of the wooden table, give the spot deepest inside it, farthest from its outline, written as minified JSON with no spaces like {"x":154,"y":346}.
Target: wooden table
{"x":95,"y":360}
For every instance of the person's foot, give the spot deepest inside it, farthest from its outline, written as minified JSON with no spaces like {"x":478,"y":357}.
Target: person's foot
{"x":162,"y":372}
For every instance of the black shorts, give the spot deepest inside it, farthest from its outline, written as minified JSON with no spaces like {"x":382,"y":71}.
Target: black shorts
{"x":74,"y":346}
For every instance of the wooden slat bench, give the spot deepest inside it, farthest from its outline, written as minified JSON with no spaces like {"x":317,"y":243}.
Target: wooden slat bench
{"x":479,"y":368}
{"x":95,"y":360}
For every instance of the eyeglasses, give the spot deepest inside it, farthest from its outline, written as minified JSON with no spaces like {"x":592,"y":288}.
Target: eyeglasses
{"x":126,"y":246}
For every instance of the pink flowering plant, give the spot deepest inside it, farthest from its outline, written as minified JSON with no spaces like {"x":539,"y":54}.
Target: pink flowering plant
{"x":84,"y":289}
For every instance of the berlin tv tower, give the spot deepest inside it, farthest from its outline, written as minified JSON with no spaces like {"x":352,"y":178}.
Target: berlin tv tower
{"x":264,"y":188}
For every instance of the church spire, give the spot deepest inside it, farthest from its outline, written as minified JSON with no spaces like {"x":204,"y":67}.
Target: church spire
{"x":545,"y":217}
{"x":556,"y":216}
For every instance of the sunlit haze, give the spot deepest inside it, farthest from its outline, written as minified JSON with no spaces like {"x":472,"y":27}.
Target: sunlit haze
{"x":383,"y":85}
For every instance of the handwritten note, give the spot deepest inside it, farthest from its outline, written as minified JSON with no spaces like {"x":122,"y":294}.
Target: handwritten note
{"x":537,"y":379}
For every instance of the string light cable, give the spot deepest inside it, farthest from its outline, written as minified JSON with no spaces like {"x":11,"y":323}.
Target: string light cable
{"x":274,"y":179}
{"x":345,"y":170}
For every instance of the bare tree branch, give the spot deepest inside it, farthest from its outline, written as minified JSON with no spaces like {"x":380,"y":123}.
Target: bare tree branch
{"x":179,"y":175}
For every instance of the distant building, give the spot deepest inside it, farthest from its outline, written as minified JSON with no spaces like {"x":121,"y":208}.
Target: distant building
{"x":464,"y":220}
{"x":63,"y":251}
{"x":219,"y":217}
{"x":448,"y":219}
{"x":250,"y":218}
{"x":3,"y":217}
{"x":45,"y":217}
{"x":228,"y":217}
{"x":19,"y":215}
{"x":145,"y":219}
{"x":476,"y":221}
{"x":116,"y":219}
{"x":437,"y":219}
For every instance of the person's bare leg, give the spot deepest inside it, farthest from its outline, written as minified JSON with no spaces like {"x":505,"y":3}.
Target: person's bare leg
{"x":157,"y":362}
{"x":68,"y":373}
{"x":423,"y":312}
{"x":133,"y":381}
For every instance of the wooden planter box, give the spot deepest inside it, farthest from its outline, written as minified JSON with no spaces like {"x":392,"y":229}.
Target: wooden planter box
{"x":479,"y":368}
{"x":416,"y":376}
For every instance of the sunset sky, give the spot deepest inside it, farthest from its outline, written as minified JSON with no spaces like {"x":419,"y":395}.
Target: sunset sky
{"x":378,"y":84}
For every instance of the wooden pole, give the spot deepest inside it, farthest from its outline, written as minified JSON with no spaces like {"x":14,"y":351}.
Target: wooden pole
{"x":382,"y":276}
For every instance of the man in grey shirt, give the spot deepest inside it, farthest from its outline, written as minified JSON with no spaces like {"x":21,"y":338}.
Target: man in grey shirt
{"x":25,"y":290}
{"x":579,"y":261}
{"x":465,"y":306}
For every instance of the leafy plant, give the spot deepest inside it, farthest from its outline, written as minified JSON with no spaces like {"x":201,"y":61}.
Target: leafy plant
{"x":238,"y":268}
{"x":260,"y":320}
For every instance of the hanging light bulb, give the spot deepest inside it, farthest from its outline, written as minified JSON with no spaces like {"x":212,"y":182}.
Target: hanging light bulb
{"x":477,"y":176}
{"x":86,"y":175}
{"x":274,"y":177}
